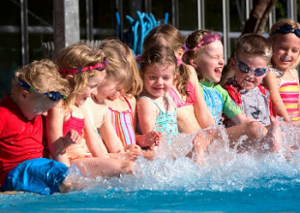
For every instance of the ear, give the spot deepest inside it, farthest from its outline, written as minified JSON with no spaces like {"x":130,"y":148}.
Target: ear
{"x":23,"y":94}
{"x":232,"y":63}
{"x":180,"y":53}
{"x":192,"y":62}
{"x":176,"y":76}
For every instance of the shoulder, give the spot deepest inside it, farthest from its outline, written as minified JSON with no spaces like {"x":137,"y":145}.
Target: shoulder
{"x":131,"y":99}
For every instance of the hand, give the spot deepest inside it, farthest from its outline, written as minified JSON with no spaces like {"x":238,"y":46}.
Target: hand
{"x":72,"y":136}
{"x":152,"y":138}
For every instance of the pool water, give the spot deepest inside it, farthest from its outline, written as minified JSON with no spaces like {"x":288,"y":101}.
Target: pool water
{"x":228,"y":182}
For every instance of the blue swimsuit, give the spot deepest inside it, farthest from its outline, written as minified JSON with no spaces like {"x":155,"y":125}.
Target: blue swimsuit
{"x":166,"y":122}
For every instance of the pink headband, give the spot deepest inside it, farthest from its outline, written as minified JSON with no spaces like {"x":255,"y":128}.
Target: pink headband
{"x":207,"y":39}
{"x":99,"y":67}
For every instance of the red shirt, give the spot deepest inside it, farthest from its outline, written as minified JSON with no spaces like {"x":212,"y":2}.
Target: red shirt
{"x":20,"y":139}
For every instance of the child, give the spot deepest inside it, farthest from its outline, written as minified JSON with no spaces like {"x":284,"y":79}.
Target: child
{"x":122,"y":105}
{"x":205,"y":54}
{"x":86,"y":70}
{"x":192,"y":112}
{"x":156,"y":111}
{"x":282,"y":80}
{"x":250,"y":63}
{"x":37,"y":87}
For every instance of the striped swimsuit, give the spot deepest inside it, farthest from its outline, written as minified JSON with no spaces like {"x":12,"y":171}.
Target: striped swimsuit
{"x":289,"y":92}
{"x":123,"y":123}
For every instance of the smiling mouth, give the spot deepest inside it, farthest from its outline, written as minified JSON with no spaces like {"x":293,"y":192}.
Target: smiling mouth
{"x":218,"y":70}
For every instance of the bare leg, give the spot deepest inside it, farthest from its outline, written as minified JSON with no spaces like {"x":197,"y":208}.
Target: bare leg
{"x":94,"y":167}
{"x":252,"y":130}
{"x":105,"y":167}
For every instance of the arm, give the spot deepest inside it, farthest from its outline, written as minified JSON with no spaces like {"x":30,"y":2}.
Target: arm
{"x":54,"y":134}
{"x":271,"y":81}
{"x":241,"y":118}
{"x":110,"y":137}
{"x":203,"y":115}
{"x":147,"y":113}
{"x":93,"y":141}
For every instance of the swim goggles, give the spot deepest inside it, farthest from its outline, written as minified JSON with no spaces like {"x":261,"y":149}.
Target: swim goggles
{"x":207,"y":39}
{"x":100,"y":67}
{"x":53,"y":96}
{"x":245,"y":69}
{"x":286,"y":29}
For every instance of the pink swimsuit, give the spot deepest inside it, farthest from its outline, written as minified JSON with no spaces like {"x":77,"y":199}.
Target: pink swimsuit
{"x":73,"y":123}
{"x":189,"y":100}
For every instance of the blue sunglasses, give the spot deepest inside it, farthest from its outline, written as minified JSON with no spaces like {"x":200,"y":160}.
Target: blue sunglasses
{"x":53,"y":96}
{"x":245,"y":69}
{"x":287,"y":29}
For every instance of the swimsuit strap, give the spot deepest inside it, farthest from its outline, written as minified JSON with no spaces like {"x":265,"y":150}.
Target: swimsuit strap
{"x":292,"y":74}
{"x":128,"y":103}
{"x":161,"y":112}
{"x":172,"y":102}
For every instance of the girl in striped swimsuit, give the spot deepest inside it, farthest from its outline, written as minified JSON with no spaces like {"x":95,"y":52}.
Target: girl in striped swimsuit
{"x":283,"y":79}
{"x":114,"y":117}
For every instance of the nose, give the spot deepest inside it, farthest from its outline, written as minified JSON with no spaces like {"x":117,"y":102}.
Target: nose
{"x":159,"y":81}
{"x":221,"y":61}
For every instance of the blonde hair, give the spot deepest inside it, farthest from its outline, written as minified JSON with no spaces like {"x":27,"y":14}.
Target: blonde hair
{"x":133,"y":85}
{"x":78,"y":56}
{"x":254,"y":45}
{"x":274,"y":35}
{"x":117,"y":68}
{"x":191,"y":41}
{"x":170,"y":34}
{"x":160,"y":55}
{"x":43,"y":76}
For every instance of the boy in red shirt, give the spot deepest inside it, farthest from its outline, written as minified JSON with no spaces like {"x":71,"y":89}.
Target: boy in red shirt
{"x":37,"y":87}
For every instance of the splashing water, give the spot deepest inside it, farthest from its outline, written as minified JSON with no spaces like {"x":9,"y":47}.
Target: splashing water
{"x":227,"y":182}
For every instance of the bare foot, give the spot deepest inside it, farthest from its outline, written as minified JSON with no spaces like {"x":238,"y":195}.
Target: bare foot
{"x":273,"y":139}
{"x":199,"y":145}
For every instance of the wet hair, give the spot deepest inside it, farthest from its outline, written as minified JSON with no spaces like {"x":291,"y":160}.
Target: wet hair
{"x":42,"y":75}
{"x":191,"y":41}
{"x":254,"y":45}
{"x":170,"y":36}
{"x":276,"y":26}
{"x":158,"y":55}
{"x":133,"y":83}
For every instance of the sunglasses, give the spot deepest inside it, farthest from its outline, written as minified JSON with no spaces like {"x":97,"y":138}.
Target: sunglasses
{"x":245,"y":69}
{"x":207,"y":39}
{"x":53,"y":96}
{"x":287,"y":29}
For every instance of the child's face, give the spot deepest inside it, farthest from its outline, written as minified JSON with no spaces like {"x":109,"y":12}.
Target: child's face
{"x":286,"y":51}
{"x":158,"y":79}
{"x":91,"y":87}
{"x":107,"y":88}
{"x":32,"y":106}
{"x":210,"y":61}
{"x":248,"y":80}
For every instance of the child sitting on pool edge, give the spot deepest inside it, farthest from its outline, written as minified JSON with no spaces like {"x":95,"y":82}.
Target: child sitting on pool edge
{"x":245,"y":87}
{"x":37,"y":87}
